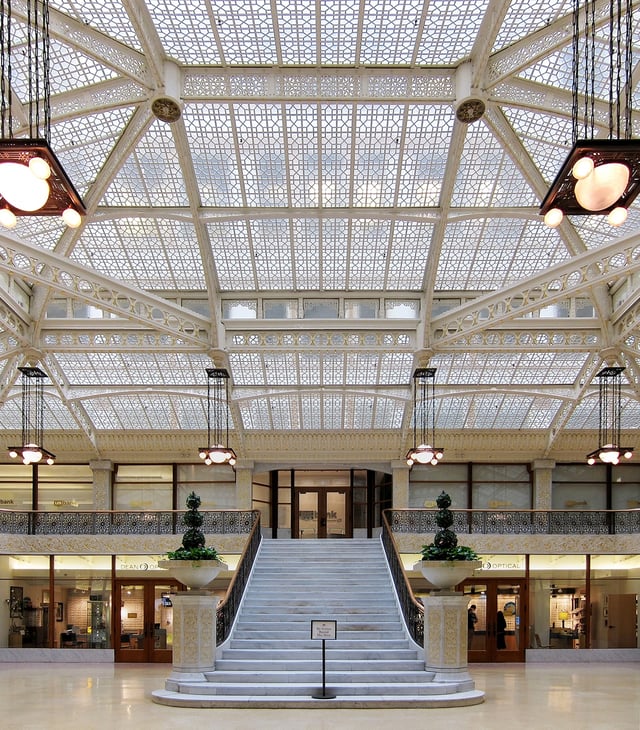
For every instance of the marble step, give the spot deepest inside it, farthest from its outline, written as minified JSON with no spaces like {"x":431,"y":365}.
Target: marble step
{"x":375,"y":688}
{"x":340,"y":644}
{"x":258,"y":633}
{"x":354,"y":615}
{"x":312,"y":648}
{"x":312,"y":662}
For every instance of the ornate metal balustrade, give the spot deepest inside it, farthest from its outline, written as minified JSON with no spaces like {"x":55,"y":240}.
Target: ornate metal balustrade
{"x":412,"y":611}
{"x":520,"y":522}
{"x":230,"y":604}
{"x":220,"y":522}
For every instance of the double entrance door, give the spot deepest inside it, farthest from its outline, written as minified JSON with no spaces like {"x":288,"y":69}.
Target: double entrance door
{"x":498,"y":634}
{"x":143,"y":626}
{"x":321,"y":512}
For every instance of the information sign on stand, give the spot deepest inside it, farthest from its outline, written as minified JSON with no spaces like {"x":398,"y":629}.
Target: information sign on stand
{"x":324,"y":630}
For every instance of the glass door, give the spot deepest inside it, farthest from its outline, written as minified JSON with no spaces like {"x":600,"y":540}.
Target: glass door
{"x":143,"y":630}
{"x":495,"y":620}
{"x":322,"y":513}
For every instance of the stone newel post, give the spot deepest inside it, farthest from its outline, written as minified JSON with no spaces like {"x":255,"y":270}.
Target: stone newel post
{"x":445,"y":637}
{"x":194,"y":636}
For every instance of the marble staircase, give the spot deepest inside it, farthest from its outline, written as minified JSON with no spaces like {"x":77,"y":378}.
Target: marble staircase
{"x":270,"y":659}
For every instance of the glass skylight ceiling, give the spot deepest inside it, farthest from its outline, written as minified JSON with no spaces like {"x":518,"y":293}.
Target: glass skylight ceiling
{"x":317,"y":162}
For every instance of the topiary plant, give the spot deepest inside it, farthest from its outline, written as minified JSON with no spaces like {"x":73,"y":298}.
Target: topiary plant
{"x":193,"y":540}
{"x":445,"y":542}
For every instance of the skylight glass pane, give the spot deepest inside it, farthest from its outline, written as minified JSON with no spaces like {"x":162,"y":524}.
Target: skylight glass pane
{"x":212,"y":141}
{"x":450,"y":30}
{"x":82,"y":144}
{"x":185,"y":30}
{"x":297,"y":25}
{"x":134,"y":369}
{"x":336,"y":134}
{"x":154,"y":254}
{"x":303,"y":145}
{"x":487,"y":254}
{"x":246,"y":32}
{"x":151,"y":176}
{"x":424,"y":155}
{"x":105,"y":15}
{"x":339,"y":31}
{"x":487,"y":175}
{"x":545,"y":368}
{"x":390,"y":33}
{"x":526,"y":16}
{"x":378,"y":131}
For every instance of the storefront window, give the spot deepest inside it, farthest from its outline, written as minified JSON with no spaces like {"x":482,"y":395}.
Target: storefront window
{"x":16,"y":490}
{"x":557,"y":601}
{"x":427,"y":482}
{"x":215,"y":485}
{"x":82,"y":601}
{"x":501,"y":486}
{"x":65,"y":488}
{"x":579,"y":487}
{"x":24,"y":587}
{"x":615,"y":587}
{"x":625,"y":487}
{"x":143,"y":487}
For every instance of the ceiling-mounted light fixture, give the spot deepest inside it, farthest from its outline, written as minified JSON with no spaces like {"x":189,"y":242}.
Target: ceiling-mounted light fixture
{"x":32,"y":450}
{"x":32,"y":180}
{"x":217,"y":450}
{"x":609,"y":450}
{"x":424,"y":431}
{"x":601,"y":176}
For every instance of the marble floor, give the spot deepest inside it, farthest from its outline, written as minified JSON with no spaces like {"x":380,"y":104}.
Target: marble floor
{"x":518,"y":696}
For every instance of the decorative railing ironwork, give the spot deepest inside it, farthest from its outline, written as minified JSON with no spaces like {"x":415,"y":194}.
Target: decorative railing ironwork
{"x":420,"y":521}
{"x":520,"y":522}
{"x":412,"y":611}
{"x":220,"y":522}
{"x":228,"y":608}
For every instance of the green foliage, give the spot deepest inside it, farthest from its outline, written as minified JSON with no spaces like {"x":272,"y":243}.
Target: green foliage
{"x":460,"y":552}
{"x":197,"y":553}
{"x":445,"y":542}
{"x":193,"y":540}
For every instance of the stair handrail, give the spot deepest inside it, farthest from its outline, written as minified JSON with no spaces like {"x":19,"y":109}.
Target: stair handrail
{"x":228,"y":607}
{"x":412,"y":610}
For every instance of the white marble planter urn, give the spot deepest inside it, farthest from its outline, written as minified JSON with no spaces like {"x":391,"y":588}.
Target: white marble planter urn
{"x":446,"y":574}
{"x":195,"y":574}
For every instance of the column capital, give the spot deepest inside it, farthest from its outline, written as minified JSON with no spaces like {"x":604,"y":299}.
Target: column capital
{"x":543,"y":464}
{"x":101,"y":465}
{"x":400,"y":464}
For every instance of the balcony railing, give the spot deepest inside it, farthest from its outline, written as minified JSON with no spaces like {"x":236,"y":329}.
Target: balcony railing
{"x":520,"y":522}
{"x":220,"y":522}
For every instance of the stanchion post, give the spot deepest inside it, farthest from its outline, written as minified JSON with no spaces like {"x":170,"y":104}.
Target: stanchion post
{"x":324,"y":630}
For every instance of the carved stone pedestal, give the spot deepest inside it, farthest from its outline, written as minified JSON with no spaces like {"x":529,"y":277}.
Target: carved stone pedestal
{"x":445,"y":637}
{"x":194,"y":636}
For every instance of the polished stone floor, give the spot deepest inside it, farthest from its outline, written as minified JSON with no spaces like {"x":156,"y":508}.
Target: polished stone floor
{"x":518,"y":696}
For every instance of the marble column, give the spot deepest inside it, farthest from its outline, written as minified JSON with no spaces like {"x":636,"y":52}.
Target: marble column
{"x":102,"y":483}
{"x":542,"y":483}
{"x":400,"y":475}
{"x":194,"y":636}
{"x":244,"y":483}
{"x":445,"y":637}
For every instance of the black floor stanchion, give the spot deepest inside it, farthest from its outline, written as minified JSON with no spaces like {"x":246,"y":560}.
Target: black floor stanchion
{"x":323,"y":630}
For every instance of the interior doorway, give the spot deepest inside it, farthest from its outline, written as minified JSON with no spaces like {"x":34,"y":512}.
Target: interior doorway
{"x":498,"y":635}
{"x":143,"y":625}
{"x":321,"y":513}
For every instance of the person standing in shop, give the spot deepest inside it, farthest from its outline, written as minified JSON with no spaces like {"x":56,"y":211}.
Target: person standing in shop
{"x":472,"y":620}
{"x":501,"y":628}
